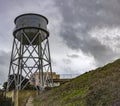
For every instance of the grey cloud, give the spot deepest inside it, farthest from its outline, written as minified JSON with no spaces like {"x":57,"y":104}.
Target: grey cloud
{"x":53,"y":62}
{"x":82,"y":16}
{"x":73,"y":56}
{"x":4,"y":58}
{"x":4,"y":65}
{"x":69,"y":70}
{"x":66,"y":61}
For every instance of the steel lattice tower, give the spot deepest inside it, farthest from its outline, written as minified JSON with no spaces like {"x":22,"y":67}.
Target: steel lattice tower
{"x":30,"y":52}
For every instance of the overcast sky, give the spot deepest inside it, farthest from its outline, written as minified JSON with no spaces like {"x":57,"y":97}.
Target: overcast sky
{"x":84,"y":34}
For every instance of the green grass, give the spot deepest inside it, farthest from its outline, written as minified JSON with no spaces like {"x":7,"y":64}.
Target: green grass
{"x":100,"y":87}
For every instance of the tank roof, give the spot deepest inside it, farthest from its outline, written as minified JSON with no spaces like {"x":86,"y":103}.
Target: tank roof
{"x":30,"y":14}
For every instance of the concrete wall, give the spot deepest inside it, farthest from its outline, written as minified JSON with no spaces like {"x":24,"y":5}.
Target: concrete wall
{"x":20,"y":97}
{"x":14,"y":95}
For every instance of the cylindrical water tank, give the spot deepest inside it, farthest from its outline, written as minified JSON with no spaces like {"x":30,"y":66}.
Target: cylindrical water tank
{"x":28,"y":26}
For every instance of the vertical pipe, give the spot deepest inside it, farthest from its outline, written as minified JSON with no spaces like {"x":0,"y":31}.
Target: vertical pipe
{"x":41,"y":74}
{"x":49,"y":57}
{"x":39,"y":67}
{"x":19,"y":65}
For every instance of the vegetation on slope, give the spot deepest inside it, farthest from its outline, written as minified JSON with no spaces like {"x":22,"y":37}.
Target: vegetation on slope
{"x":100,"y":87}
{"x":5,"y":101}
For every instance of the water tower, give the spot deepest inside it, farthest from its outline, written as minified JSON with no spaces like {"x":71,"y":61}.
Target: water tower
{"x":30,"y":52}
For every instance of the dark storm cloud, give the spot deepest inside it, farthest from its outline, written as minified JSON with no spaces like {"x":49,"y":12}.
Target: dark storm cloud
{"x":82,"y":16}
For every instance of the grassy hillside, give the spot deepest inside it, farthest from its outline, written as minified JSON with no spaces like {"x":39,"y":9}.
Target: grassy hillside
{"x":100,"y":87}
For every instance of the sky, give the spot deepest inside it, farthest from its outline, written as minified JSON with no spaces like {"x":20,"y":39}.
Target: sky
{"x":84,"y":34}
